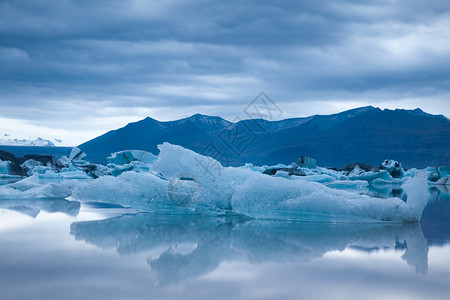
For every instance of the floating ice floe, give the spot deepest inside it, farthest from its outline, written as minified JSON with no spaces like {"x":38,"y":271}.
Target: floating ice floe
{"x":439,"y":175}
{"x":33,"y":188}
{"x":128,"y":156}
{"x":181,"y":180}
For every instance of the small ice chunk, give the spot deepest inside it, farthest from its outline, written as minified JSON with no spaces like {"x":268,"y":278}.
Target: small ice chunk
{"x":11,"y":169}
{"x":306,"y":162}
{"x":282,"y":174}
{"x":64,"y":161}
{"x":5,"y":167}
{"x":360,"y":174}
{"x":393,"y":167}
{"x":77,"y":155}
{"x":436,"y":173}
{"x":127,"y":156}
{"x":32,"y":166}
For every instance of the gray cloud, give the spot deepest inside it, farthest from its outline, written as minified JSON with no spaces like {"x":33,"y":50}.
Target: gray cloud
{"x":88,"y":60}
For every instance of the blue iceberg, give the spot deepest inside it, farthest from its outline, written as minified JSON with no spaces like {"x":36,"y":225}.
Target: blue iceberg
{"x":182,"y":181}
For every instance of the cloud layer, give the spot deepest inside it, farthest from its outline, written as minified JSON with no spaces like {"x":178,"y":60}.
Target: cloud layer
{"x":82,"y":67}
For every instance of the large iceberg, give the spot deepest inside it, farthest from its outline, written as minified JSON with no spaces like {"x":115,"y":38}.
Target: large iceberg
{"x":181,"y":180}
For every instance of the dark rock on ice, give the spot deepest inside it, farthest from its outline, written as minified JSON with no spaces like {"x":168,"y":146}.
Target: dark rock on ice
{"x":393,"y":167}
{"x":45,"y":160}
{"x":290,"y":171}
{"x":14,"y":164}
{"x":306,"y":162}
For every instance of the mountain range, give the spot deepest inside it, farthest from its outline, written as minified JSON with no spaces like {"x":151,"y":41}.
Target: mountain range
{"x":365,"y":135}
{"x":39,"y":142}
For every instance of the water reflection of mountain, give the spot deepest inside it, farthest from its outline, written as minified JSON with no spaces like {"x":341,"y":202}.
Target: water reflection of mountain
{"x":32,"y":207}
{"x":196,"y":245}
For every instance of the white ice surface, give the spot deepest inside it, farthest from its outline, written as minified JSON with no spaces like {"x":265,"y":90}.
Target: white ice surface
{"x":244,"y":191}
{"x":33,"y":187}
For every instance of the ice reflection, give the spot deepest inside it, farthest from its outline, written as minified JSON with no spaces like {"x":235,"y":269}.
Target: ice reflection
{"x":436,"y":192}
{"x":206,"y":242}
{"x":386,"y":191}
{"x":439,"y":192}
{"x":32,"y":207}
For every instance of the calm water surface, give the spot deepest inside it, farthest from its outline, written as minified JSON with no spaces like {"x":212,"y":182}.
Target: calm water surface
{"x":60,"y":249}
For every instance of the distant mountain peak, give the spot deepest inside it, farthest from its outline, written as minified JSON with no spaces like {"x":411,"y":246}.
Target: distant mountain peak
{"x":40,"y":142}
{"x":415,"y":112}
{"x":201,"y":117}
{"x":208,"y":123}
{"x":361,"y":110}
{"x":365,"y":108}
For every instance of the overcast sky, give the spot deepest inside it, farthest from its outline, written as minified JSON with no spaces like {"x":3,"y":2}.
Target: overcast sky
{"x":74,"y":69}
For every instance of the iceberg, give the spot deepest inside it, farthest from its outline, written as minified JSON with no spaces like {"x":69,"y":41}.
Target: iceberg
{"x":5,"y":168}
{"x":438,"y":173}
{"x":389,"y":173}
{"x":77,"y":162}
{"x":306,"y":162}
{"x":130,"y":160}
{"x":393,"y":167}
{"x":181,"y":180}
{"x":33,"y":188}
{"x":140,"y":191}
{"x":127,"y":156}
{"x":10,"y":166}
{"x":53,"y":172}
{"x":76,"y":155}
{"x":359,"y":174}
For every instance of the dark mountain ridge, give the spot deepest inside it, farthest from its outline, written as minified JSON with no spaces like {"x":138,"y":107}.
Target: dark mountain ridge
{"x":366,"y":135}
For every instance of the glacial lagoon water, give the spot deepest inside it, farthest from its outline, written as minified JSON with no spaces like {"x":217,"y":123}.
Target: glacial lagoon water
{"x":61,"y":249}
